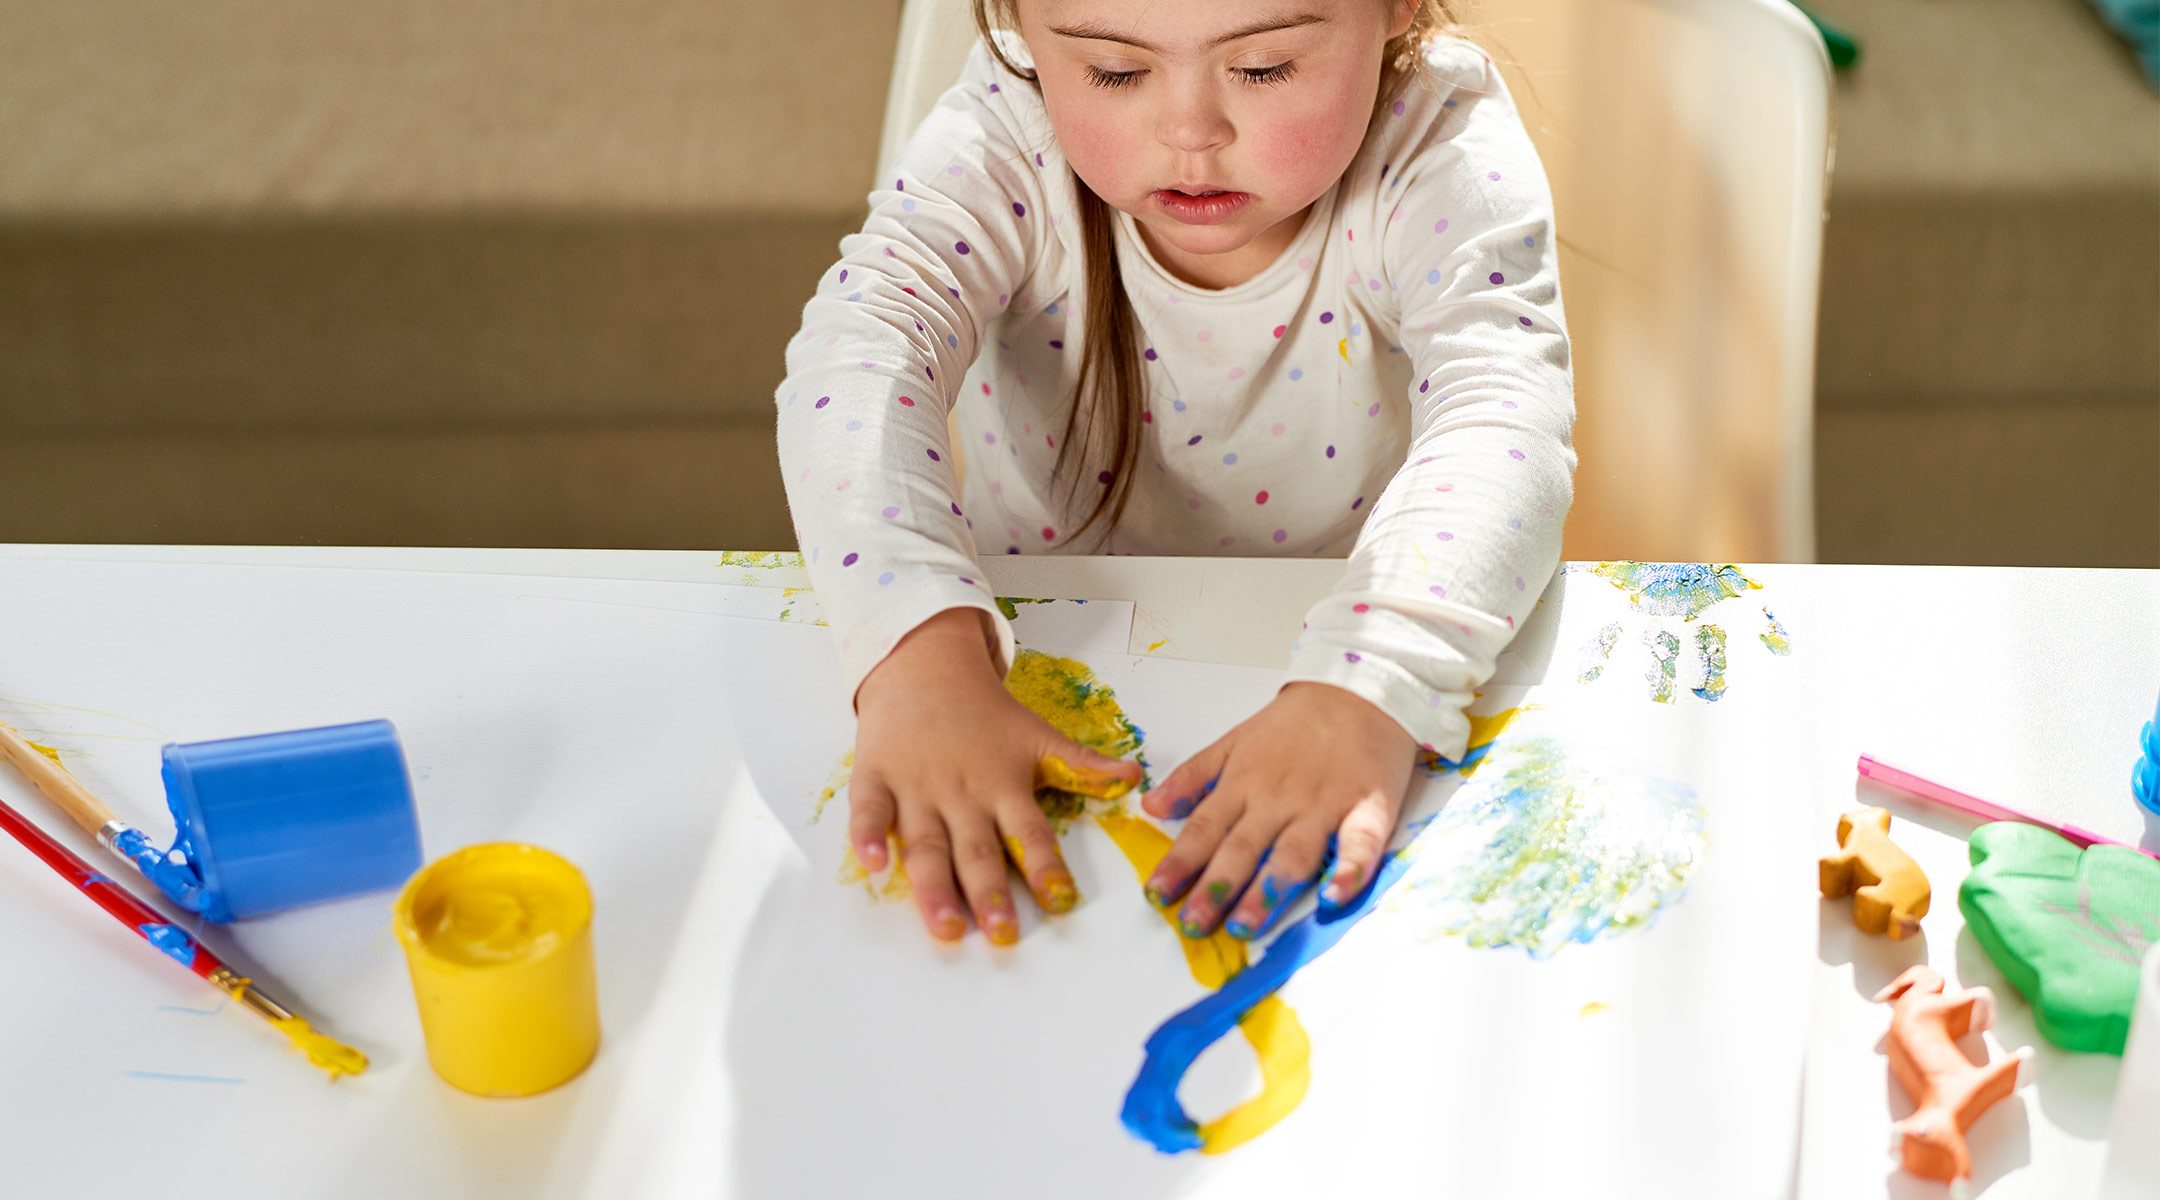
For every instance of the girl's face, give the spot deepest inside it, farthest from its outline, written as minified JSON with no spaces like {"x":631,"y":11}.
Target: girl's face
{"x":1215,"y":123}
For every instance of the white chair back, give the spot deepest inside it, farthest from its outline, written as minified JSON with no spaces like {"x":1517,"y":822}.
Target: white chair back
{"x":1688,"y":144}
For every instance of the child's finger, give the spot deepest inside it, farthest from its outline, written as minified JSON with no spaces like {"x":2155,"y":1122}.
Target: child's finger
{"x":1229,"y":871}
{"x":1282,"y":876}
{"x":1176,"y":797}
{"x":1084,"y":771}
{"x":1034,"y":849}
{"x":1194,"y":846}
{"x":1358,"y":847}
{"x":870,"y":818}
{"x":927,"y":853}
{"x":979,"y":861}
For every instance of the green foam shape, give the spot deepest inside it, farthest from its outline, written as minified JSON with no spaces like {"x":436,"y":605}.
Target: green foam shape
{"x":2067,"y":926}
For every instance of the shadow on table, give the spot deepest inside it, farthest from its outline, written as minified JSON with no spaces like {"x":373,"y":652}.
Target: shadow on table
{"x":2075,"y":1090}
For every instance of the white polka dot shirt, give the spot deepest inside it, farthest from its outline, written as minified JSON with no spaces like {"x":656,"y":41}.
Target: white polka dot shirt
{"x":1394,"y":389}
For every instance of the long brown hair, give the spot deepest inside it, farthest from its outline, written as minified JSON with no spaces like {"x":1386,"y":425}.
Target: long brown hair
{"x":1103,"y":427}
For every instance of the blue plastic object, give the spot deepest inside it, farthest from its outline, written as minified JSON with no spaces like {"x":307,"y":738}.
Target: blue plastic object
{"x":279,"y":820}
{"x":2145,"y":776}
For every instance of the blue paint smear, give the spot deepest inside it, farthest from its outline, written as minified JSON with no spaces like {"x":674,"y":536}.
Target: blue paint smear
{"x":174,"y":872}
{"x":173,"y":940}
{"x":181,"y":1078}
{"x":1152,"y":1112}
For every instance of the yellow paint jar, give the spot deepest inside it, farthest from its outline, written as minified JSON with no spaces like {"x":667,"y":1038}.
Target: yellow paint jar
{"x":499,"y":941}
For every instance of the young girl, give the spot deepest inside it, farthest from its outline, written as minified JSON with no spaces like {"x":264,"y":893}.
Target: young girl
{"x":1191,"y":278}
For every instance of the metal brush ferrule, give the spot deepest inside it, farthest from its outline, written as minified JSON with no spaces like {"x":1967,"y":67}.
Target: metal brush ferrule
{"x":108,"y":834}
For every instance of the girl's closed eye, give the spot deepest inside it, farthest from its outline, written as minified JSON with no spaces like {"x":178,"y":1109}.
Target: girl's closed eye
{"x":1263,"y":76}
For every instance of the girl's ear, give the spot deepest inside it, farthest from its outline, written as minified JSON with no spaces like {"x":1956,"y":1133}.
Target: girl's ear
{"x":1405,"y":12}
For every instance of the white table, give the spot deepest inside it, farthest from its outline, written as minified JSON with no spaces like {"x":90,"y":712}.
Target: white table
{"x":2026,"y":686}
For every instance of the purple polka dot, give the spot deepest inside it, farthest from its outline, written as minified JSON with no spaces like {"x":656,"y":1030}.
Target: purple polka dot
{"x":891,"y":511}
{"x":1150,"y":354}
{"x":1397,"y":109}
{"x":1331,"y":451}
{"x":962,"y":247}
{"x":1352,"y":656}
{"x":1354,"y":503}
{"x":1102,"y":477}
{"x":843,"y":276}
{"x":1038,"y":160}
{"x":964,"y":579}
{"x":1515,"y":454}
{"x":933,"y":456}
{"x":989,"y":439}
{"x":822,"y":401}
{"x":1019,"y":210}
{"x":1282,"y":535}
{"x":1012,"y":549}
{"x":1524,"y":320}
{"x":1374,"y":411}
{"x":1437,"y":590}
{"x":1423,"y":384}
{"x":1055,"y":344}
{"x":1326,"y":317}
{"x":956,"y":510}
{"x":899,"y":185}
{"x":1194,"y":440}
{"x":1496,"y":277}
{"x":849,"y":561}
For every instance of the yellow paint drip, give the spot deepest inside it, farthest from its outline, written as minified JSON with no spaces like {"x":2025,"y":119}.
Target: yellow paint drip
{"x":1271,"y":1027}
{"x":326,"y":1052}
{"x":47,"y":751}
{"x":1343,"y":348}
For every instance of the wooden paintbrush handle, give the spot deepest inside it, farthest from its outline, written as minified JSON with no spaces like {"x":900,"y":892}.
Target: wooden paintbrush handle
{"x":52,"y":779}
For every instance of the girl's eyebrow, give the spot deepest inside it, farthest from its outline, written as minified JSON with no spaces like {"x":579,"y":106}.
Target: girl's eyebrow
{"x":1095,"y":31}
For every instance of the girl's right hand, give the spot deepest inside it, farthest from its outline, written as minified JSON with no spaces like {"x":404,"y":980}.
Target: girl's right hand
{"x":943,"y":752}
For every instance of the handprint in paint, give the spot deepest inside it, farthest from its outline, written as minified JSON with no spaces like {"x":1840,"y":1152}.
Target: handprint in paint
{"x":1677,"y":590}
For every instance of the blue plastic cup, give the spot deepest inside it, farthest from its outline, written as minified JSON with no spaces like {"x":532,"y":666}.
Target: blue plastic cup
{"x":280,"y":820}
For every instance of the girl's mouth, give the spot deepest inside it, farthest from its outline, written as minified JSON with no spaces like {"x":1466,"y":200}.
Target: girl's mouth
{"x":1210,"y":207}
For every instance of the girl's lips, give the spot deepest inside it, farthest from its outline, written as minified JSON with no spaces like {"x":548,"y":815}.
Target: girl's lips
{"x":1201,"y":210}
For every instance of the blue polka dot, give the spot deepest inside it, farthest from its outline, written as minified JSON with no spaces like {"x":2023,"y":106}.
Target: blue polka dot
{"x":852,"y":426}
{"x":1052,"y":310}
{"x":952,"y":341}
{"x":1433,"y":276}
{"x":907,"y":206}
{"x":1229,"y":460}
{"x":854,"y":295}
{"x":884,"y":579}
{"x":1356,"y":330}
{"x":1179,"y":405}
{"x":1529,"y":241}
{"x":1296,"y":373}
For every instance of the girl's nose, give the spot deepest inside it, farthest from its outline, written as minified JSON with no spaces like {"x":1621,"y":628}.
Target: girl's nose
{"x":1193,"y":122}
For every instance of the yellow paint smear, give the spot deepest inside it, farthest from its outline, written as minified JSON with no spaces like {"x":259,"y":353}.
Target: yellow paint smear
{"x":1092,"y":782}
{"x":895,"y":887}
{"x":1484,"y":731}
{"x":326,"y":1052}
{"x":47,"y":751}
{"x":1343,"y":348}
{"x":1271,"y":1027}
{"x":1157,"y":644}
{"x":833,"y":783}
{"x":1594,"y":1008}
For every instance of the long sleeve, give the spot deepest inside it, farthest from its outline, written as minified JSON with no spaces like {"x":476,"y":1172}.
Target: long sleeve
{"x":1463,"y":539}
{"x":951,"y":239}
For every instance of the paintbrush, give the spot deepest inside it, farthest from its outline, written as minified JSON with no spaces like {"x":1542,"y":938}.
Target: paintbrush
{"x":176,"y":880}
{"x":331,"y":1055}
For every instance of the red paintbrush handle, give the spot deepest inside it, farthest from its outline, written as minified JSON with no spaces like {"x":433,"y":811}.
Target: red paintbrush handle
{"x":147,"y":922}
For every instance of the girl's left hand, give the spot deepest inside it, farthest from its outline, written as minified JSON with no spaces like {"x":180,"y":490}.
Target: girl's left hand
{"x":1317,"y":762}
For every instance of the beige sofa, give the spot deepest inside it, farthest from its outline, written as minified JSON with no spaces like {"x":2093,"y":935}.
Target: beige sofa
{"x":415,"y":272}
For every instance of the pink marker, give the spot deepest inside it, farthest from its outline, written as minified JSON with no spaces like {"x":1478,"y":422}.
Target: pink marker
{"x":1926,"y":789}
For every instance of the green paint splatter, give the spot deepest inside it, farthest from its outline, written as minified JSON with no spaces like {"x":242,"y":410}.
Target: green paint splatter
{"x":1596,"y":651}
{"x":1776,"y":638}
{"x":1540,"y":850}
{"x":1681,"y":590}
{"x":1218,"y":891}
{"x":761,"y":560}
{"x":1664,"y":664}
{"x":1710,"y":648}
{"x":1010,"y":605}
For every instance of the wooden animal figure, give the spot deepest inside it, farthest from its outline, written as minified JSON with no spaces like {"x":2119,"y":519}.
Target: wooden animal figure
{"x":1949,"y":1090}
{"x":1889,"y":893}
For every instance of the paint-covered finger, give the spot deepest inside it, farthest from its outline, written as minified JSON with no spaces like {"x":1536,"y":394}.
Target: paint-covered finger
{"x":1359,"y":844}
{"x":1033,"y":847}
{"x":926,"y":851}
{"x":979,"y":862}
{"x":1195,"y":845}
{"x":870,"y":818}
{"x":1282,"y":875}
{"x":1180,"y":794}
{"x":1228,"y":873}
{"x":1072,"y":767}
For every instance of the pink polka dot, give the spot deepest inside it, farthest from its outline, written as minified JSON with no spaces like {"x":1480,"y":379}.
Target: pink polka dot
{"x":1193,"y":502}
{"x":1509,"y":404}
{"x":1437,"y":590}
{"x":989,"y":439}
{"x":1516,"y":454}
{"x":956,"y":170}
{"x":1304,"y":262}
{"x":1358,"y":608}
{"x":1204,"y":336}
{"x":1260,"y":499}
{"x":1281,"y":329}
{"x":1374,"y":411}
{"x":906,"y":402}
{"x":1397,"y":109}
{"x":1445,"y":536}
{"x":1237,"y":372}
{"x":844,"y":485}
{"x":1146,"y":417}
{"x":1440,"y":226}
{"x":1048,"y":533}
{"x":891,"y":511}
{"x":1226,"y":541}
{"x":1493,"y":175}
{"x":1519,"y":585}
{"x":1445,"y":487}
{"x":1276,"y":429}
{"x":1282,"y":535}
{"x":1348,"y":655}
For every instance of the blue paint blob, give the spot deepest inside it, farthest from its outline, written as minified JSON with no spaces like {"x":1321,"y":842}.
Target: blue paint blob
{"x":173,"y":940}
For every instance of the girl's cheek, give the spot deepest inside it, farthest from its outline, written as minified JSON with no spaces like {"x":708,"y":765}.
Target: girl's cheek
{"x":1105,"y":152}
{"x":1307,"y":148}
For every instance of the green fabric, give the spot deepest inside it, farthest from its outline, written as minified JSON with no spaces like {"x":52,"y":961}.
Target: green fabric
{"x":2068,"y":927}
